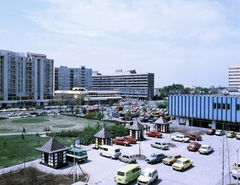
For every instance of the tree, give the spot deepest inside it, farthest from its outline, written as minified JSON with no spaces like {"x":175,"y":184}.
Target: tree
{"x":110,"y":103}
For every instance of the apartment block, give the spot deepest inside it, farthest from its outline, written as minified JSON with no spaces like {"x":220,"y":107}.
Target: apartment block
{"x":129,"y":84}
{"x":234,"y":78}
{"x":68,"y":78}
{"x":26,"y":79}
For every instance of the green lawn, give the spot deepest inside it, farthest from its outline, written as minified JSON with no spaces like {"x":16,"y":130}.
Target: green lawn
{"x":38,"y":123}
{"x":18,"y":150}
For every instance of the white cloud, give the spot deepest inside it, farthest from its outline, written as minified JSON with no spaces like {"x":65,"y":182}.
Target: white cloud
{"x":140,"y":17}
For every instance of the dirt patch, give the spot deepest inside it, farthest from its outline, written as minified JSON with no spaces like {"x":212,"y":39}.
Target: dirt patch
{"x":33,"y":176}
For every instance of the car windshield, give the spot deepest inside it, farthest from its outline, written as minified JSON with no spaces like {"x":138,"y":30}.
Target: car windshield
{"x":204,"y":147}
{"x":170,"y":156}
{"x":179,"y":162}
{"x":192,"y":144}
{"x":153,"y":155}
{"x":146,"y":174}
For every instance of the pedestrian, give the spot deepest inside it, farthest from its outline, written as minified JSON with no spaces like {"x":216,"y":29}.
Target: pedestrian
{"x":24,"y":130}
{"x":148,"y":128}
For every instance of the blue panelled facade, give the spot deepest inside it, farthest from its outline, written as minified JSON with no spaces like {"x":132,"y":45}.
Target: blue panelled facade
{"x":219,"y":112}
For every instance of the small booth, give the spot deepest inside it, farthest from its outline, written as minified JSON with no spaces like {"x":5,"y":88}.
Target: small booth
{"x":103,"y":137}
{"x":162,"y":125}
{"x":137,"y":131}
{"x":53,"y":154}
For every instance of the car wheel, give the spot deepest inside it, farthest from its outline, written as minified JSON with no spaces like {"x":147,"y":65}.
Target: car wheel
{"x":100,"y":154}
{"x":183,"y":141}
{"x":182,"y":170}
{"x":110,"y":157}
{"x":125,"y":145}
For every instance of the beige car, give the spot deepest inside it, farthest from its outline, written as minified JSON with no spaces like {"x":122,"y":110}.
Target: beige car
{"x":170,"y":159}
{"x":181,"y":164}
{"x":180,"y":138}
{"x":238,"y":135}
{"x":231,"y":134}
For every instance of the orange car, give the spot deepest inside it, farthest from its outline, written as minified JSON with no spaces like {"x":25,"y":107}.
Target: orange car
{"x":154,"y":134}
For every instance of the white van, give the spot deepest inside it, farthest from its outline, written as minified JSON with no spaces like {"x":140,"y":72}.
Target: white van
{"x":148,"y":175}
{"x":109,"y":151}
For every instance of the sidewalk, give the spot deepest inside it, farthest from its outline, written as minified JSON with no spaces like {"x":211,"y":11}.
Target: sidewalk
{"x":66,"y":170}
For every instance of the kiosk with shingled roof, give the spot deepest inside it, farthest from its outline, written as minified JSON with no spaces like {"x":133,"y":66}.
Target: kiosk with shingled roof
{"x":137,"y":131}
{"x":53,"y":154}
{"x":103,"y":137}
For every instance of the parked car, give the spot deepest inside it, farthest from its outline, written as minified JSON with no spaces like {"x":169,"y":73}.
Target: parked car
{"x":163,"y":146}
{"x":121,"y":141}
{"x":127,"y":158}
{"x":235,"y":174}
{"x":172,"y":158}
{"x":155,"y":158}
{"x":236,"y":166}
{"x":237,"y":135}
{"x":193,"y":146}
{"x":219,"y":133}
{"x":195,"y":137}
{"x":154,"y":134}
{"x":210,"y":131}
{"x":231,"y":134}
{"x":181,"y":164}
{"x":180,"y":138}
{"x":130,"y":138}
{"x":145,"y":118}
{"x":127,"y":174}
{"x":148,"y":176}
{"x":205,"y":149}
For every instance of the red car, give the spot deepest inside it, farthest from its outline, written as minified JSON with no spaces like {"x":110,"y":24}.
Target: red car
{"x":210,"y":131}
{"x":154,"y":134}
{"x":195,"y":137}
{"x":130,"y":138}
{"x":193,"y":146}
{"x":121,"y":141}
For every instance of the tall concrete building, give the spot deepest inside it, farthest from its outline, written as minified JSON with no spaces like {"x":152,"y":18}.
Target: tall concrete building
{"x":234,"y":78}
{"x":68,"y":78}
{"x":26,"y":79}
{"x":128,"y":84}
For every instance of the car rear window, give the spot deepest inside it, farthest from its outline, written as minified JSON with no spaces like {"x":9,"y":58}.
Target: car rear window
{"x":120,"y":173}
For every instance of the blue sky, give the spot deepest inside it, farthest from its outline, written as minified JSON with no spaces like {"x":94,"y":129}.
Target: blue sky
{"x":181,"y":41}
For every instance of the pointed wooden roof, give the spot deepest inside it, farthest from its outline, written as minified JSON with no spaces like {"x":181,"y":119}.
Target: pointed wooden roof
{"x":161,"y":120}
{"x":104,"y":134}
{"x":52,"y":146}
{"x":136,"y":126}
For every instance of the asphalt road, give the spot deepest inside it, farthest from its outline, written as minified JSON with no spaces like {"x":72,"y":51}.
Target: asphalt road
{"x":207,"y":169}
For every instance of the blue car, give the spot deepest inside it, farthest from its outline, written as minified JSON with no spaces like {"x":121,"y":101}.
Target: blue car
{"x":155,"y":158}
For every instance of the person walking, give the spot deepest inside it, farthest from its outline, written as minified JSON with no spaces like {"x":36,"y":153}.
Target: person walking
{"x":24,"y":130}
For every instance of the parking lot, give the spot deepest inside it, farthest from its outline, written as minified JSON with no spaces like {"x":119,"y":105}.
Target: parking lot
{"x":206,"y":169}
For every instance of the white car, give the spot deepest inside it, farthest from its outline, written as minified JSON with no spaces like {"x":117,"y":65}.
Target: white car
{"x":163,"y":146}
{"x":205,"y":149}
{"x":235,"y":174}
{"x":148,"y":175}
{"x":181,"y":138}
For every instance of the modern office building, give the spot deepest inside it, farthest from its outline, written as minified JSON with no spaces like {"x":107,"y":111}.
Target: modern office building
{"x":234,"y":78}
{"x":128,"y":84}
{"x":26,"y":79}
{"x":219,"y":112}
{"x":68,"y":78}
{"x":81,"y":96}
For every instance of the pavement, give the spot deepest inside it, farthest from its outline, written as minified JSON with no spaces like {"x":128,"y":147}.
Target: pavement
{"x":212,"y":169}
